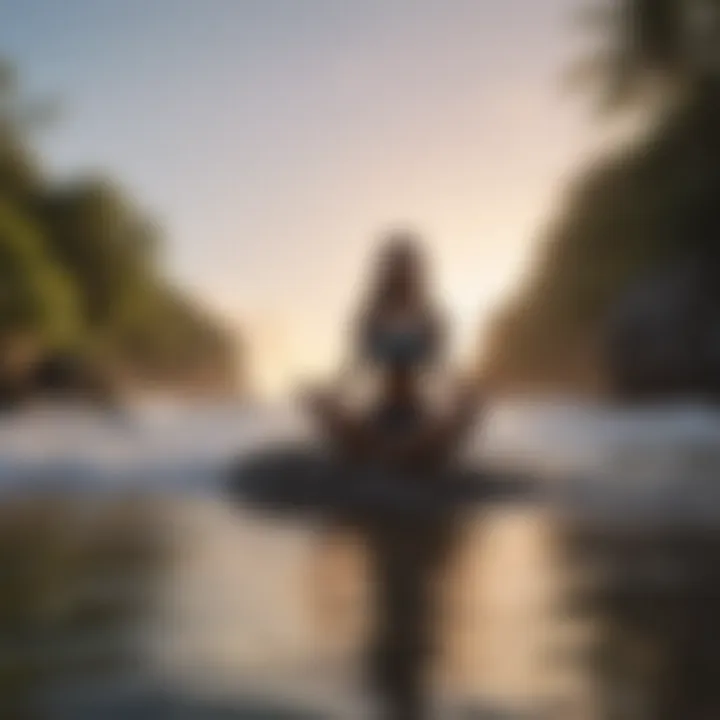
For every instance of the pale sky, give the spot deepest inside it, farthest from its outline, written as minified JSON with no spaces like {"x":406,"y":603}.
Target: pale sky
{"x":274,"y":139}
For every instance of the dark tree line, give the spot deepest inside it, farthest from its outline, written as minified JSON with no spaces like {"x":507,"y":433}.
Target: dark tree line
{"x":80,"y":277}
{"x":633,"y":217}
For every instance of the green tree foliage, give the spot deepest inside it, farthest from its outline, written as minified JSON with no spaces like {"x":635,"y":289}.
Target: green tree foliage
{"x":36,"y":297}
{"x":648,"y":46}
{"x":638,"y":208}
{"x":101,"y":241}
{"x":190,"y":345}
{"x":79,"y":269}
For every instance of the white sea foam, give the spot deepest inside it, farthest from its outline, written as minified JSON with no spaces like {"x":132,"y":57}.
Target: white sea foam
{"x":652,"y":461}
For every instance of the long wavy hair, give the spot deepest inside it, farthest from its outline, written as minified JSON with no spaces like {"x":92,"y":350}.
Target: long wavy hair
{"x":400,"y":275}
{"x":399,"y":281}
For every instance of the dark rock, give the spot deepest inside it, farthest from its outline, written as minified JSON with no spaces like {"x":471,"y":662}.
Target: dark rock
{"x":663,"y":335}
{"x":69,"y":375}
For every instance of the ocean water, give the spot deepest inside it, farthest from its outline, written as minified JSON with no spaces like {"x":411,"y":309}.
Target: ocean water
{"x":246,"y":605}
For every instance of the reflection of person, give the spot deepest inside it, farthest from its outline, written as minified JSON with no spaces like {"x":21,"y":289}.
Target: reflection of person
{"x":400,"y":336}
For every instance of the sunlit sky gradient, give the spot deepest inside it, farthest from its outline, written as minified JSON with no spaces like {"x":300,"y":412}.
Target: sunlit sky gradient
{"x":274,"y":139}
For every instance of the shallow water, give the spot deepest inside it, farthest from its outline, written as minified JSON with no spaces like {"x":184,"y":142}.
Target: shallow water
{"x":243,"y":603}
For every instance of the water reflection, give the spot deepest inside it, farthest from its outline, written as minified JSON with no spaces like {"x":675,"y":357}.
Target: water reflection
{"x":127,"y":599}
{"x":135,"y":606}
{"x":77,"y":580}
{"x":288,"y":609}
